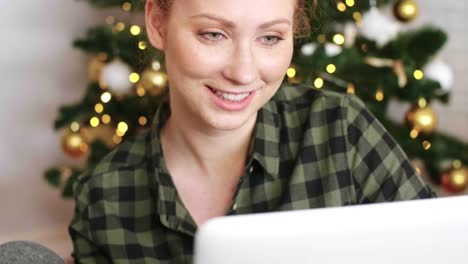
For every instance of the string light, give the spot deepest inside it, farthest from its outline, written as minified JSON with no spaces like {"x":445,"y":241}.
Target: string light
{"x":135,"y":30}
{"x":379,"y":95}
{"x":318,"y":83}
{"x":331,"y":68}
{"x":75,"y":127}
{"x":106,"y":97}
{"x":122,"y":128}
{"x":418,"y":74}
{"x":142,"y":45}
{"x":94,"y":122}
{"x":142,"y":120}
{"x":350,"y":3}
{"x":106,"y":119}
{"x":426,"y":145}
{"x":291,"y":72}
{"x":357,"y":16}
{"x":99,"y":108}
{"x":126,"y":6}
{"x":120,"y":26}
{"x":120,"y":133}
{"x":422,"y":102}
{"x":134,"y":77}
{"x":338,"y":39}
{"x":414,"y":133}
{"x":351,"y":89}
{"x":140,"y":91}
{"x":341,"y":6}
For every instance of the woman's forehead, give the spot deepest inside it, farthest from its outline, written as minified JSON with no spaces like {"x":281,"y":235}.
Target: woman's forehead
{"x":237,"y":9}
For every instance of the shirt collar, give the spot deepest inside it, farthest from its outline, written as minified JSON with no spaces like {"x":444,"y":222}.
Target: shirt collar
{"x":266,"y":139}
{"x":171,"y":210}
{"x":264,"y":147}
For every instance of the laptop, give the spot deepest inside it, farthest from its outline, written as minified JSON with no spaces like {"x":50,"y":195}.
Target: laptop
{"x":432,"y":231}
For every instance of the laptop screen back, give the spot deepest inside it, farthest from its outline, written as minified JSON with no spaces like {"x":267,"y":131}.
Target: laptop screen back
{"x":432,"y":231}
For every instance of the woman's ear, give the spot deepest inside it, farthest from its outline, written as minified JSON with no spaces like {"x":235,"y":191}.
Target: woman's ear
{"x":154,"y":25}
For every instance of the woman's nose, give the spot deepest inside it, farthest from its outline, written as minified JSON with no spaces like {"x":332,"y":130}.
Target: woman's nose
{"x":242,"y":69}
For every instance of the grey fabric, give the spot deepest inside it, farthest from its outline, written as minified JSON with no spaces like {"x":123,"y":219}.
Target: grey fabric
{"x":25,"y":252}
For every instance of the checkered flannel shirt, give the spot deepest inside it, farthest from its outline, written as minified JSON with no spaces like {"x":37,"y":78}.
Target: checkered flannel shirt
{"x":311,"y":149}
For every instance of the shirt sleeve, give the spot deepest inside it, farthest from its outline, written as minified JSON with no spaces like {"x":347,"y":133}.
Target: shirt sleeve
{"x":380,"y":169}
{"x":85,"y":250}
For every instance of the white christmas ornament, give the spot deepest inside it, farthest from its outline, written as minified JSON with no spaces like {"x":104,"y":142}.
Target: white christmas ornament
{"x":332,"y":49}
{"x":308,"y":49}
{"x":441,"y":72}
{"x":375,"y":26}
{"x":115,"y":75}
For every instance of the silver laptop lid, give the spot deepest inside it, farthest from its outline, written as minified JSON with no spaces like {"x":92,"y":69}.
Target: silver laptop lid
{"x":432,"y":231}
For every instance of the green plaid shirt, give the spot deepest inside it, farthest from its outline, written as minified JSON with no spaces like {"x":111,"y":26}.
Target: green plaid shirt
{"x":311,"y":149}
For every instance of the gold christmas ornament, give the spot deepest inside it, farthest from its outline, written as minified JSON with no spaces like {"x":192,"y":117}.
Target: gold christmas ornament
{"x":154,"y":82}
{"x":455,"y":180}
{"x":405,"y":10}
{"x":423,"y":120}
{"x":103,"y":132}
{"x":74,"y":144}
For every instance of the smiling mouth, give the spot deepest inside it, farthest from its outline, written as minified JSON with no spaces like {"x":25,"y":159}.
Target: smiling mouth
{"x":233,"y":97}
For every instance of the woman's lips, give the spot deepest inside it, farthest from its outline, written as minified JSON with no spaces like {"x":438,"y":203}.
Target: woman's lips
{"x":230,"y":101}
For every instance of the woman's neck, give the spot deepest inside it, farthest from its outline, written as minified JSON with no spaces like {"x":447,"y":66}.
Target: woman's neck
{"x":207,"y":152}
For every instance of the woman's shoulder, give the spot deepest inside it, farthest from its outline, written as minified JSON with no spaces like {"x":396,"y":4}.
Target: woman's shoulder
{"x":301,"y":95}
{"x":302,"y":102}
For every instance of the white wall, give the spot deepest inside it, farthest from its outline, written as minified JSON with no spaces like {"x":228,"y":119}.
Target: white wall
{"x":39,"y":71}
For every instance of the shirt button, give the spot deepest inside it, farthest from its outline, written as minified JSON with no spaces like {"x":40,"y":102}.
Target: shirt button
{"x":251,"y":169}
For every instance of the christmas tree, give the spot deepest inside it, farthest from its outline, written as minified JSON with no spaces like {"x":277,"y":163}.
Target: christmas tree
{"x":356,"y":47}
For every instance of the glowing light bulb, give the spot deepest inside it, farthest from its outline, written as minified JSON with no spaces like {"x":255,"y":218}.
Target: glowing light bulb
{"x":338,"y":39}
{"x":418,"y":74}
{"x":331,"y":68}
{"x":106,"y":97}
{"x":291,"y":72}
{"x":134,"y":77}
{"x":94,"y":122}
{"x":318,"y":83}
{"x":135,"y":30}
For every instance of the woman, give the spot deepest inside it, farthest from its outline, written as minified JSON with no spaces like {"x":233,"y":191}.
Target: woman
{"x":230,"y":140}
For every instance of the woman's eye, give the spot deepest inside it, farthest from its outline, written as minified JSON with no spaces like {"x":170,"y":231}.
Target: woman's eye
{"x":270,"y":40}
{"x":213,"y":36}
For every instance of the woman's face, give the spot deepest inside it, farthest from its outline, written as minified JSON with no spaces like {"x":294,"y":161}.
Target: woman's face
{"x":224,"y":58}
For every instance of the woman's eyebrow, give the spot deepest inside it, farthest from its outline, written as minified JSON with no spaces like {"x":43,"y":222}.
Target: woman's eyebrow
{"x":231,"y":24}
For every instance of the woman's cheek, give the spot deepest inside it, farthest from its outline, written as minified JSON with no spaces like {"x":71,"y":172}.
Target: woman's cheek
{"x":274,"y":66}
{"x":198,"y":60}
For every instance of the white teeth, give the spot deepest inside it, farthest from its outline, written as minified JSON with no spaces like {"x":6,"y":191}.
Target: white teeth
{"x":232,"y":97}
